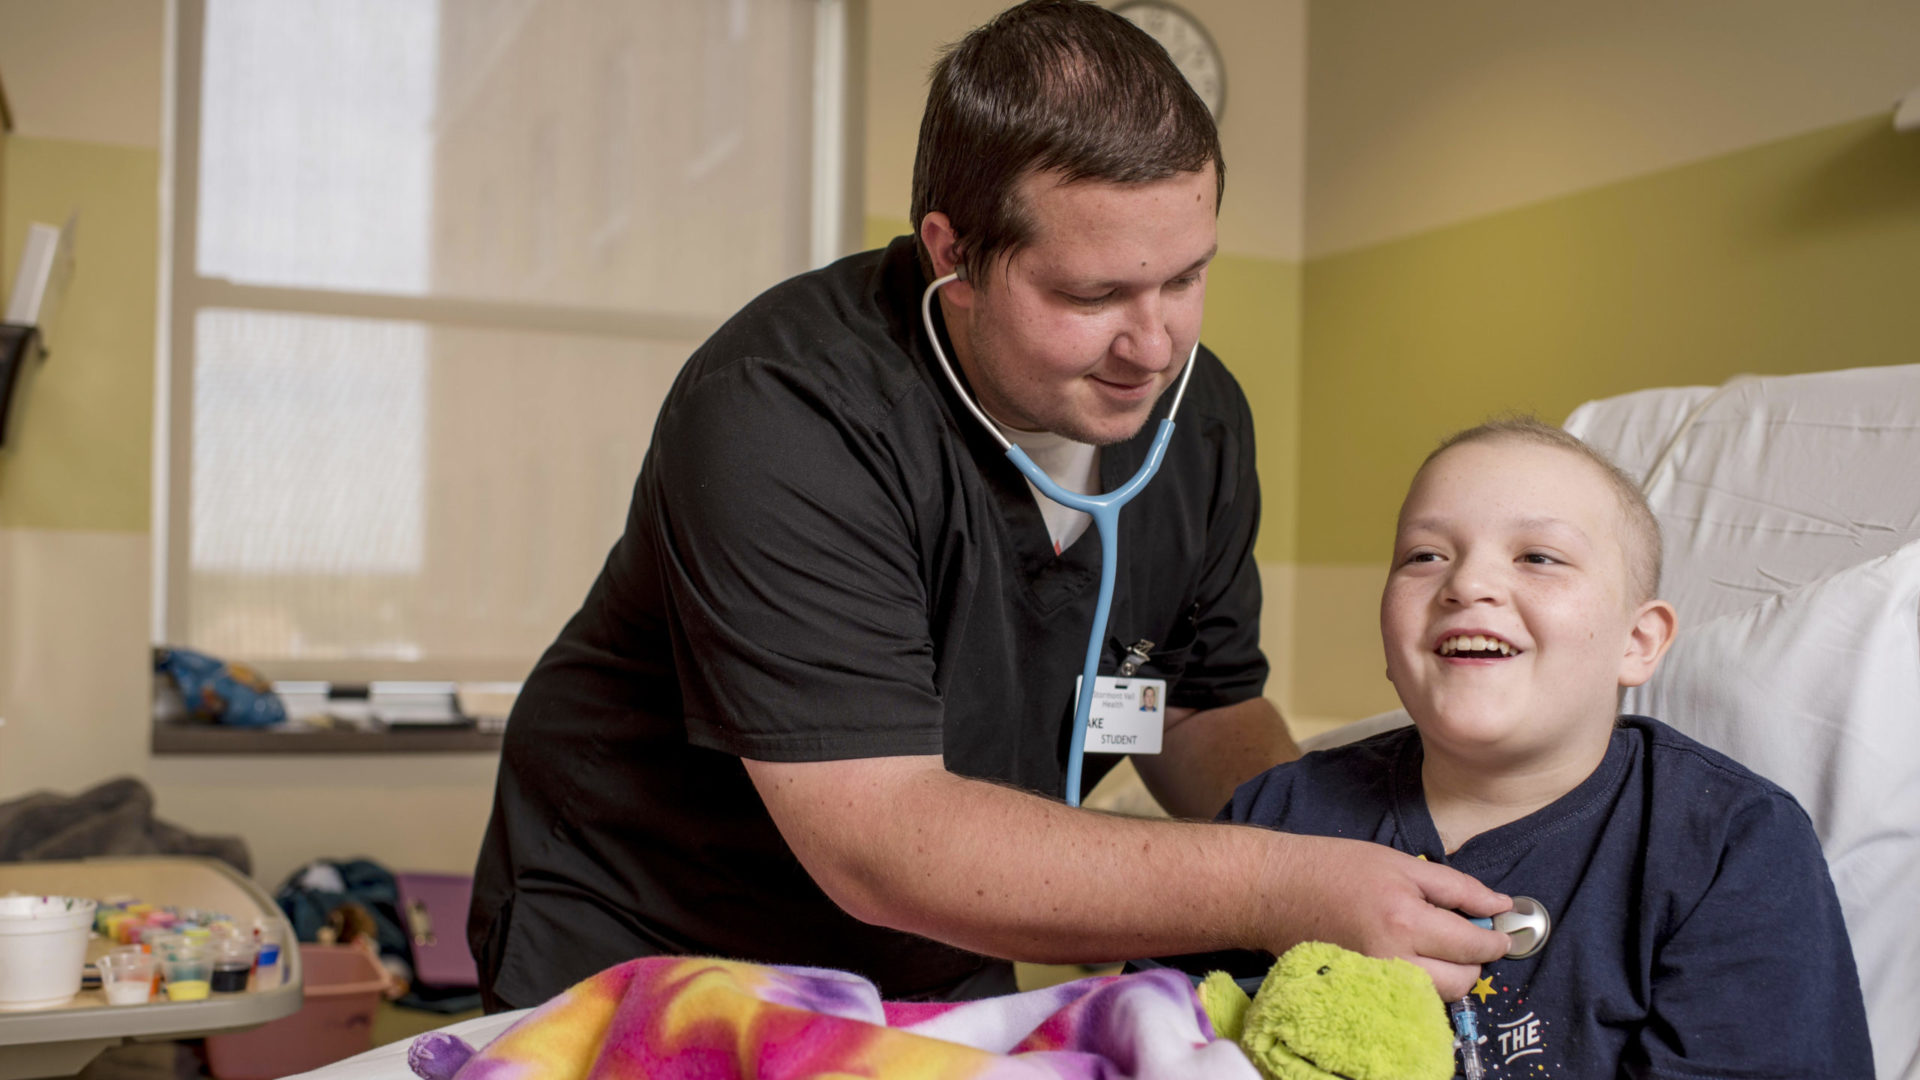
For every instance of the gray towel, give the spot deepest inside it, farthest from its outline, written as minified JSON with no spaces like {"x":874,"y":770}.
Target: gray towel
{"x":115,"y":818}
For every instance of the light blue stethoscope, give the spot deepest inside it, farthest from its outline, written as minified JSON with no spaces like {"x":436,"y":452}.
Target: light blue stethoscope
{"x":1103,"y":509}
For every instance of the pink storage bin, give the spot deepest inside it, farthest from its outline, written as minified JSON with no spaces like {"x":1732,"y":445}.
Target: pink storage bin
{"x":343,"y":985}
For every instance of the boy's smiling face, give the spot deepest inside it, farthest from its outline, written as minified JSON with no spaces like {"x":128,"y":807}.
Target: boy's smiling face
{"x":1509,"y":617}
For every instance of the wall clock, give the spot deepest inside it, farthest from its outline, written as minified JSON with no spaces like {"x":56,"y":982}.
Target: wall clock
{"x":1192,"y":49}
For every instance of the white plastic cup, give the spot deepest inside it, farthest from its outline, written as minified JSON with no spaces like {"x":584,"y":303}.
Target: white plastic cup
{"x":126,"y":976}
{"x":43,"y":947}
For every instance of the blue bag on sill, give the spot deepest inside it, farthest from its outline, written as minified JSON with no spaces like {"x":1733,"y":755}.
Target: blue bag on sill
{"x":218,"y":692}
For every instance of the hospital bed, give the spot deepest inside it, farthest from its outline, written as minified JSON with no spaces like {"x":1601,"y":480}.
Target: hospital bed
{"x":1791,"y":508}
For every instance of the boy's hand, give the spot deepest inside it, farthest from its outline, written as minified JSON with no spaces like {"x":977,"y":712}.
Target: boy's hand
{"x":1377,"y":901}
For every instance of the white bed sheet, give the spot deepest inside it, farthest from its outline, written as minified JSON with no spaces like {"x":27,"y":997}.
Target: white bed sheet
{"x":389,"y":1062}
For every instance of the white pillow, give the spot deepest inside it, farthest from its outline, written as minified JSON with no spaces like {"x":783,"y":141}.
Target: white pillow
{"x":1768,"y":483}
{"x":1818,"y":690}
{"x":1634,"y":429}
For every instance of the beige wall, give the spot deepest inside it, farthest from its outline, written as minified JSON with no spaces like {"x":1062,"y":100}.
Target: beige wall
{"x":75,"y":675}
{"x":87,"y":70}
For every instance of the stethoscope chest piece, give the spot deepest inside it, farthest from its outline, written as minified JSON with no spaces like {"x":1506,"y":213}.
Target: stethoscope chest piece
{"x":1527,"y":924}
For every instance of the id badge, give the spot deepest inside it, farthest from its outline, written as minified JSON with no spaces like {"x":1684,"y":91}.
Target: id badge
{"x":1128,"y":715}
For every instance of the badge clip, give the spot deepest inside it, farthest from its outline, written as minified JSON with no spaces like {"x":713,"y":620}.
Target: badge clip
{"x":1136,"y":655}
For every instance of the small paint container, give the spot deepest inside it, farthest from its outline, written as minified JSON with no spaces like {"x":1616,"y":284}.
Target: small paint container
{"x":117,"y":924}
{"x":105,"y":911}
{"x":267,"y":972}
{"x":187,"y":989}
{"x":232,"y":965}
{"x":189,"y":971}
{"x":155,"y":944}
{"x":126,"y":976}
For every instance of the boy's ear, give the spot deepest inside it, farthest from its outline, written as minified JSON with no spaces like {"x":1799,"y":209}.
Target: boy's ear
{"x":1653,"y":627}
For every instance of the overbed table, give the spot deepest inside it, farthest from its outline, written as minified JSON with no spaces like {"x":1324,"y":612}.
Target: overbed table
{"x":60,"y":1041}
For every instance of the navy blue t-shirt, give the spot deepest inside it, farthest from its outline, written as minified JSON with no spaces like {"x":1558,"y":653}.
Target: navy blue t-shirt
{"x":1695,"y":929}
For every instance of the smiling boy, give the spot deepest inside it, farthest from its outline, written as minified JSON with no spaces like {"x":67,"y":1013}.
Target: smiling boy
{"x":1695,"y":929}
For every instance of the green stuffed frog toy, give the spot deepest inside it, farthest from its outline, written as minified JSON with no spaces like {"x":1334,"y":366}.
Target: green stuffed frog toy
{"x":1326,"y":1013}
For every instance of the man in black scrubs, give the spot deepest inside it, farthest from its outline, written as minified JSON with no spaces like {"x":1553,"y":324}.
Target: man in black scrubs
{"x":815,"y":709}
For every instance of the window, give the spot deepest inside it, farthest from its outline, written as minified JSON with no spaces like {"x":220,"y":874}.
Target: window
{"x":434,"y":266}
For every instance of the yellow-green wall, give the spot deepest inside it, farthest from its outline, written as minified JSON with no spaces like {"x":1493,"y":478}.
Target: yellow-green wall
{"x":1254,"y":323}
{"x":1796,"y":255}
{"x":81,"y":451}
{"x":1800,"y":255}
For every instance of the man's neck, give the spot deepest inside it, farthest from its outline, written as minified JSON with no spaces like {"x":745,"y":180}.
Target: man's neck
{"x":1466,"y":797}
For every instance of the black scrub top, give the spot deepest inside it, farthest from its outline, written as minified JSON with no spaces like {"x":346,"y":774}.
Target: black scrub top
{"x":827,"y":558}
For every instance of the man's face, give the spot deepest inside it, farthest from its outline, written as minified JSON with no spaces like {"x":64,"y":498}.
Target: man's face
{"x":1081,"y":330}
{"x":1506,"y":618}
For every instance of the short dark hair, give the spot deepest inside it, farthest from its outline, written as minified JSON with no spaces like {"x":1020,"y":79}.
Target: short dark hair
{"x":1642,"y":539}
{"x":1050,"y":86}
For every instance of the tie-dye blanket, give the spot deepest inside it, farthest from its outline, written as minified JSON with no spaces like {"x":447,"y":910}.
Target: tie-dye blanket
{"x":665,"y":1017}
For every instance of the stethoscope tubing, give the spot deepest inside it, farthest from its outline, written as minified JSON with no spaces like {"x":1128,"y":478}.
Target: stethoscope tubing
{"x":1103,"y":509}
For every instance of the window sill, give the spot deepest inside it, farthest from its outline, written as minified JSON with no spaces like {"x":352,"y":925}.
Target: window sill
{"x":210,"y":739}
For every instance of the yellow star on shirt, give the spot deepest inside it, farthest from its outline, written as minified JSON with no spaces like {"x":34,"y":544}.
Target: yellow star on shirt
{"x":1484,"y":988}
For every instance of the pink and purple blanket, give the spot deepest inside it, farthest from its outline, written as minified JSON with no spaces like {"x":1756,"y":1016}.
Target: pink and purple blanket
{"x":681,"y":1017}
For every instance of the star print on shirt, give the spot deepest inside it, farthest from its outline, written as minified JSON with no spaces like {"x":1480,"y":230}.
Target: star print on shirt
{"x":1516,"y":1034}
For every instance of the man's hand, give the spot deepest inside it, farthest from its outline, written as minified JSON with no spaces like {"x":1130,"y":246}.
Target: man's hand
{"x":1378,"y":901}
{"x":901,"y":842}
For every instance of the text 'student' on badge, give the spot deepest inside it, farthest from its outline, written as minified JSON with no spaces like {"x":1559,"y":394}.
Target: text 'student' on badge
{"x":1128,"y":716}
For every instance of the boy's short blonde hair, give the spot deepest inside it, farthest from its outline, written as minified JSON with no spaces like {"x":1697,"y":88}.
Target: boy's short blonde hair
{"x":1642,"y":534}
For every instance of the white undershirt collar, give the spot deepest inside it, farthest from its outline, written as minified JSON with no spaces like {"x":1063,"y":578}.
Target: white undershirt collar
{"x":1073,"y":465}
